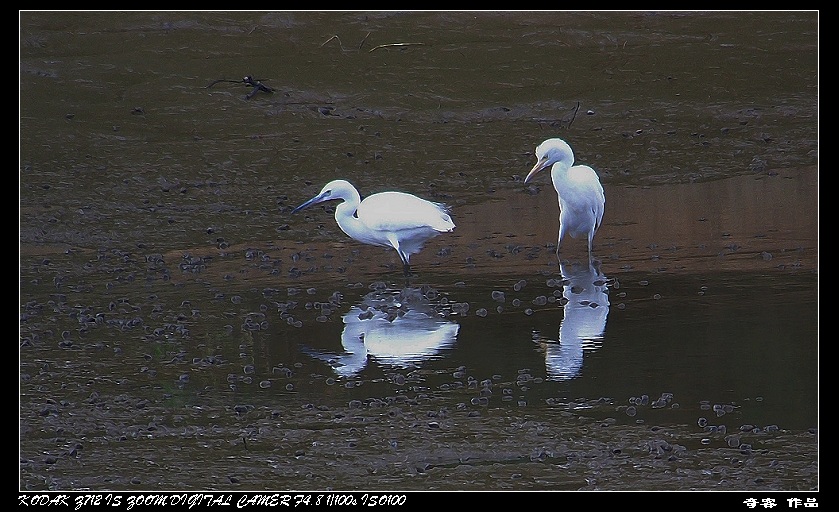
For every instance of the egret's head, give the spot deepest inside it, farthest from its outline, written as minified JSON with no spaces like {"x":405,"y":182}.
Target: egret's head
{"x":335,"y":189}
{"x":550,"y":152}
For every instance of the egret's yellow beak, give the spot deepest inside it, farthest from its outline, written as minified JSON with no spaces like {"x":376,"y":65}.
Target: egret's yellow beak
{"x":541,"y":164}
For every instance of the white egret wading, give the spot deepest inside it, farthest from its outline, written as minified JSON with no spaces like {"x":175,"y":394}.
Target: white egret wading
{"x":580,"y":194}
{"x":388,"y":219}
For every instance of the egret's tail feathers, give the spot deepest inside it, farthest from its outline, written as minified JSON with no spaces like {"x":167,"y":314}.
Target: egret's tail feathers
{"x":445,"y":224}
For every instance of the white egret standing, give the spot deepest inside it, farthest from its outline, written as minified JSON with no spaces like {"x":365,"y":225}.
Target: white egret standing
{"x":580,"y":194}
{"x":388,"y":219}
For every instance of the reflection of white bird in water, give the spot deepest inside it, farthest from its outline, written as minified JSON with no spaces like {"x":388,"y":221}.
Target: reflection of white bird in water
{"x":583,"y":324}
{"x":389,"y":219}
{"x":400,"y":331}
{"x":581,"y":198}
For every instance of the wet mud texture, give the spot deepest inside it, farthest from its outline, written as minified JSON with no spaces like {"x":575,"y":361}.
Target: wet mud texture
{"x":413,"y":442}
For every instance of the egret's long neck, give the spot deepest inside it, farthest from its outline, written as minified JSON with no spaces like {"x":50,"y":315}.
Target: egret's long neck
{"x":563,"y":159}
{"x":345,"y":216}
{"x":559,"y":169}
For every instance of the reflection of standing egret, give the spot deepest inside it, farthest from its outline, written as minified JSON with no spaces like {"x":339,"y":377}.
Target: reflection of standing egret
{"x":400,"y":331}
{"x":586,"y":307}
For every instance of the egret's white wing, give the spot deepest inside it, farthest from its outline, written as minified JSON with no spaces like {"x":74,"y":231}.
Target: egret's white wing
{"x":397,"y":211}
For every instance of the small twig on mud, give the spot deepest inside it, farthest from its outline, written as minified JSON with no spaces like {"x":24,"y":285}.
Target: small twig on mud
{"x":363,"y":40}
{"x":575,"y":114}
{"x":339,"y":42}
{"x":250,"y":82}
{"x":395,"y":44}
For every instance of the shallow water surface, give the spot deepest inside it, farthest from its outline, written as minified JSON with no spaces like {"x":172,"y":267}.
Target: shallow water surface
{"x":181,"y":329}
